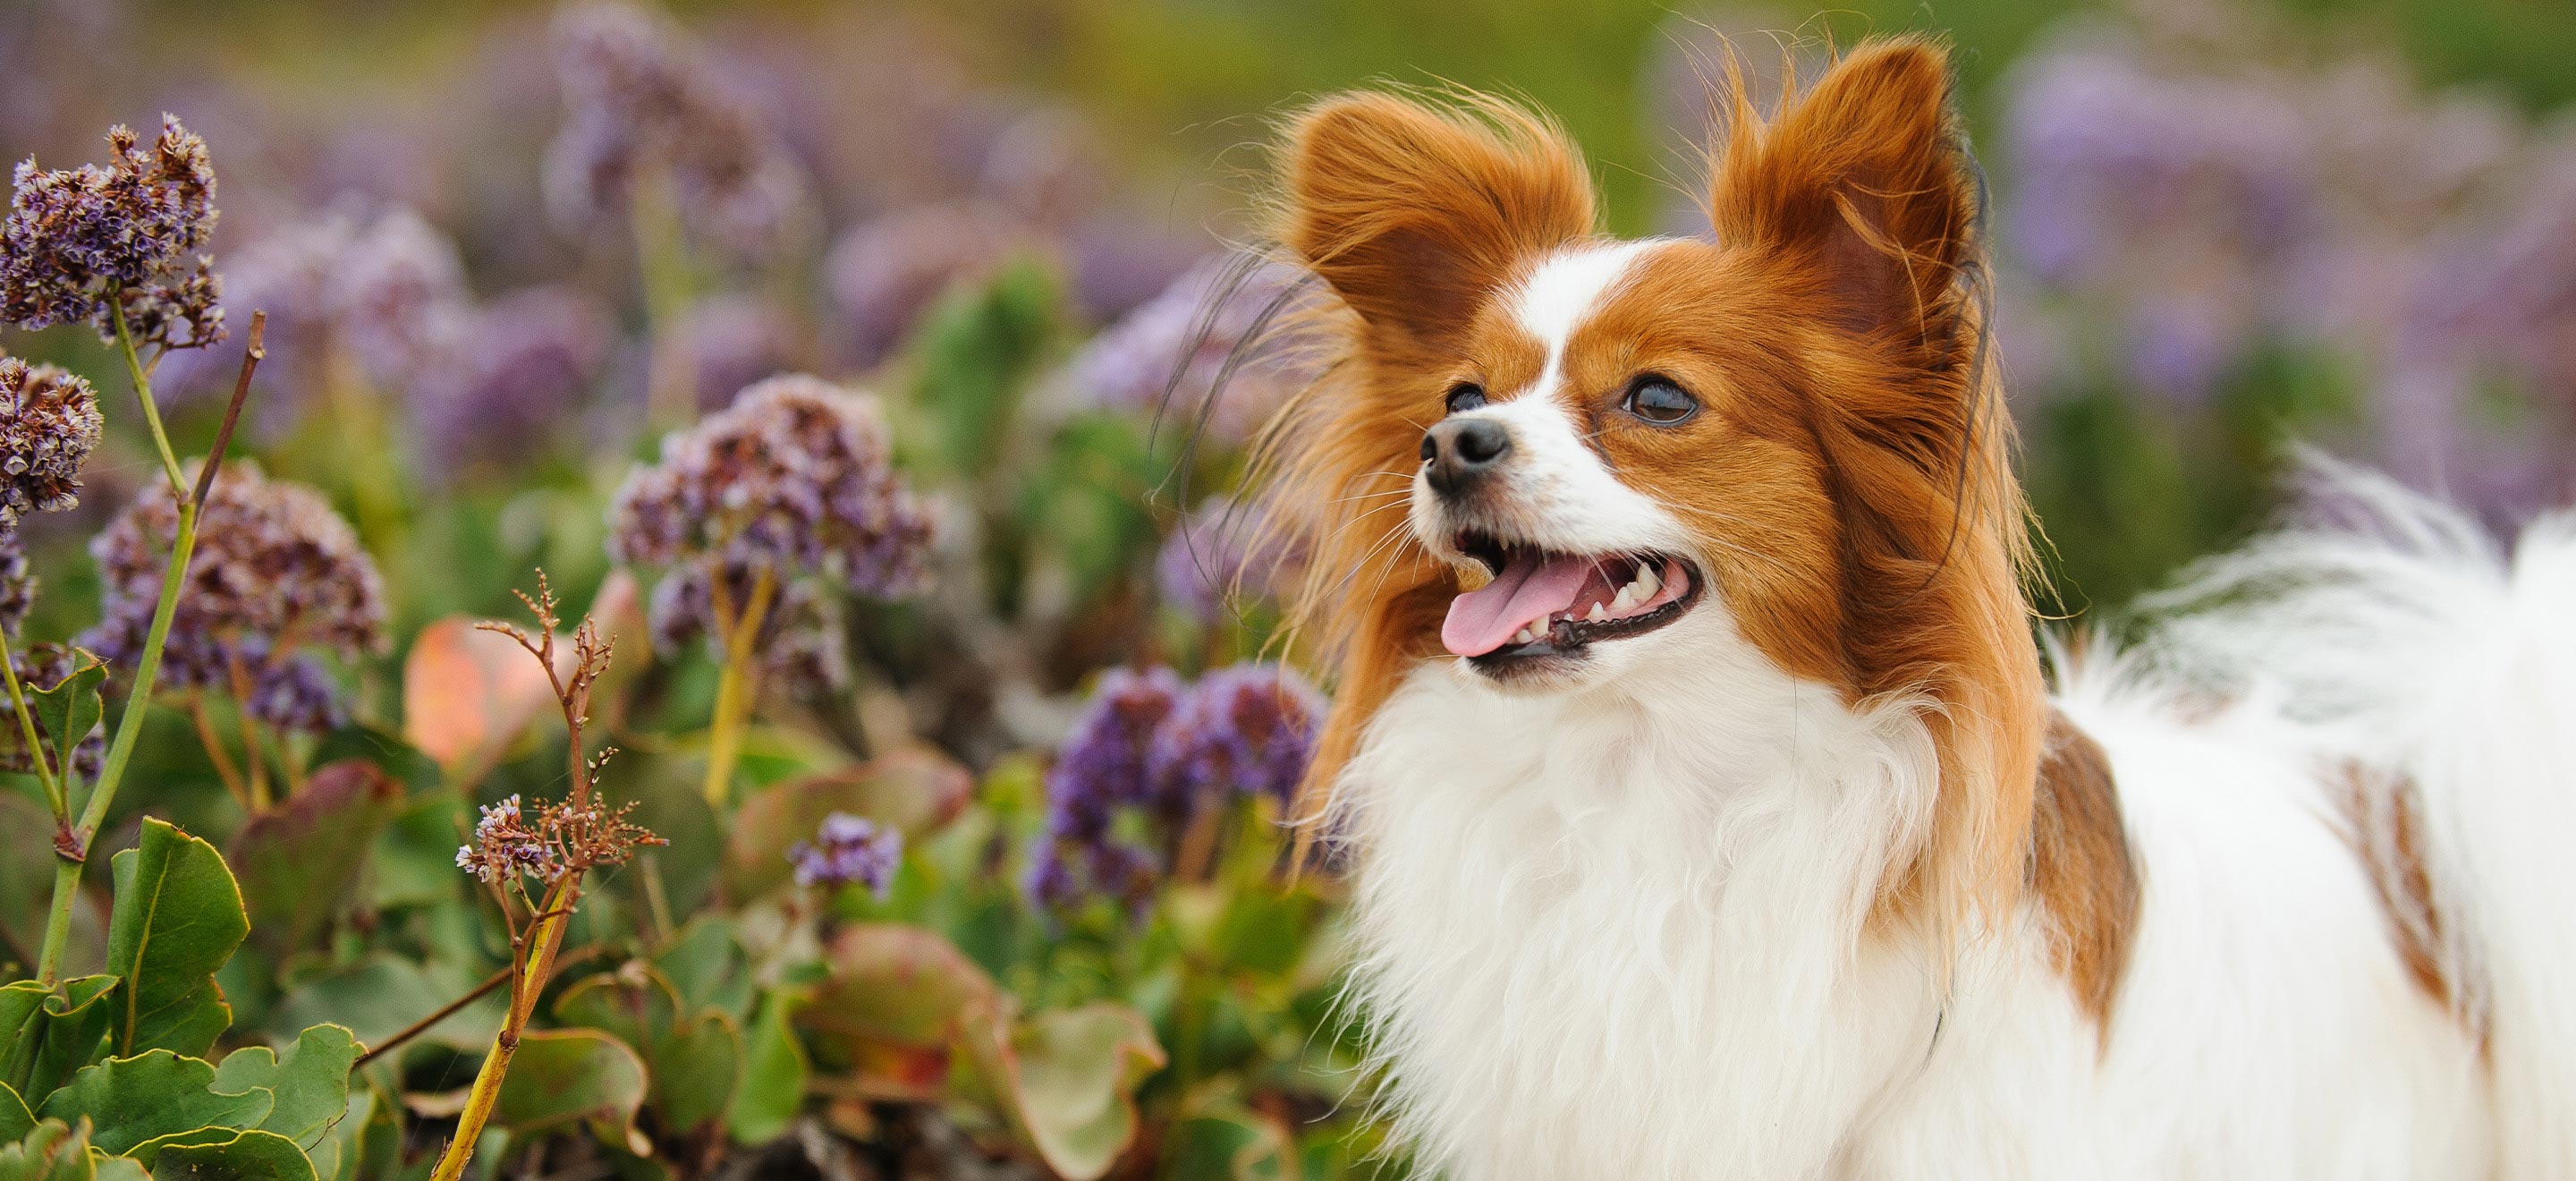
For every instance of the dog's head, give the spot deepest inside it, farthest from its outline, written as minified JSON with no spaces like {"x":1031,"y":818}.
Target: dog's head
{"x":1559,"y":459}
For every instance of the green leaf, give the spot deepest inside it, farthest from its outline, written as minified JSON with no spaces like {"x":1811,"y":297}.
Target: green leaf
{"x":189,"y":1026}
{"x":15,"y":1120}
{"x":45,"y":1036}
{"x":1227,"y":1139}
{"x":310,"y":1080}
{"x":178,"y":916}
{"x":381,"y":995}
{"x":299,"y":862}
{"x":414,"y":859}
{"x":916,"y":791}
{"x":158,"y":1094}
{"x":705,"y":966}
{"x":53,"y":1151}
{"x":1067,"y":1079}
{"x":563,"y":1076}
{"x":69,"y":709}
{"x":894,"y":1005}
{"x":978,"y":350}
{"x":691,"y":1061}
{"x":770,"y":1088}
{"x":244,"y":1156}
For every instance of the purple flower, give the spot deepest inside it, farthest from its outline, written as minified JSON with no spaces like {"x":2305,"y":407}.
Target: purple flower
{"x":1213,"y":349}
{"x":1168,"y":754}
{"x":641,"y":108}
{"x":275,"y":572}
{"x":801,"y":640}
{"x":795,"y":478}
{"x":1245,"y":729}
{"x":79,"y":240}
{"x":533,"y":354}
{"x":17,"y":584}
{"x":49,"y":421}
{"x":849,"y":851}
{"x":382,"y":296}
{"x":885,"y":274}
{"x":297,"y":695}
{"x":505,"y":847}
{"x":1102,"y":767}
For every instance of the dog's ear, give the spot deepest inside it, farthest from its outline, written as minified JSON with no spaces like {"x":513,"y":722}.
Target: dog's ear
{"x":1414,"y":214}
{"x":1866,"y":177}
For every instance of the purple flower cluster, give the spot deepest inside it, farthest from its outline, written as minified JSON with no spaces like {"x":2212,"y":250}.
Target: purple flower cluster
{"x":849,"y":851}
{"x":1169,"y":754}
{"x":49,"y":421}
{"x":795,"y":478}
{"x":642,"y":108}
{"x":2182,"y":203}
{"x":81,"y":242}
{"x":1214,"y":352}
{"x":504,"y":847}
{"x":276,"y":573}
{"x":530,"y":357}
{"x":802,"y":639}
{"x":1222,"y":549}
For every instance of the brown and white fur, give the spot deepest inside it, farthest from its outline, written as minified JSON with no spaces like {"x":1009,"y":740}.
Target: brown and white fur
{"x":1785,"y":862}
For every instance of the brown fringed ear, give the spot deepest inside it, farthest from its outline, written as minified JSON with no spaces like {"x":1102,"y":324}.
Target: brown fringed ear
{"x":1866,"y":174}
{"x":1414,"y":214}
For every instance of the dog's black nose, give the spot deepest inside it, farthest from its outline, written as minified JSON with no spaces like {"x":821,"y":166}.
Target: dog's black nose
{"x":1460,"y":450}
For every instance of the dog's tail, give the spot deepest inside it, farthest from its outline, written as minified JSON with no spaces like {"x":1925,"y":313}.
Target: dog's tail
{"x":2423,"y":650}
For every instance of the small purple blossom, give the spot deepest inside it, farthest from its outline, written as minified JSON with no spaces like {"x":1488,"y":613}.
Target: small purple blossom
{"x":849,"y":851}
{"x":276,"y":572}
{"x":795,"y":478}
{"x":1245,"y":729}
{"x":505,"y":848}
{"x":641,"y":108}
{"x":534,"y":354}
{"x":49,"y":421}
{"x":1213,"y":351}
{"x":80,"y":242}
{"x":1166,"y":753}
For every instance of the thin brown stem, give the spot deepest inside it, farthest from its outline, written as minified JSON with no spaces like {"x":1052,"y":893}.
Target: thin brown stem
{"x":490,"y":985}
{"x":215,"y":752}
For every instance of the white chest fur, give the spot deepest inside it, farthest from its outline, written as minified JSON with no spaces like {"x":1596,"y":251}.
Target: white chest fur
{"x":1621,"y":933}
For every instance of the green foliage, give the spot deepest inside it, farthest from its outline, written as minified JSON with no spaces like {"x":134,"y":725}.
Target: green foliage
{"x":178,"y":917}
{"x":70,"y":708}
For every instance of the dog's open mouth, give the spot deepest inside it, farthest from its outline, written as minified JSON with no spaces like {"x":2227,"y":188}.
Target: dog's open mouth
{"x":1543,"y":603}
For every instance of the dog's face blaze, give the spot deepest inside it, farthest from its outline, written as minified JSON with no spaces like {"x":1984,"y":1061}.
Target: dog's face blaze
{"x":1615,"y":451}
{"x":1656,"y":460}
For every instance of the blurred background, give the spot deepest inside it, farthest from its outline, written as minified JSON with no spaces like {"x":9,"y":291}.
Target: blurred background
{"x":2221,"y":228}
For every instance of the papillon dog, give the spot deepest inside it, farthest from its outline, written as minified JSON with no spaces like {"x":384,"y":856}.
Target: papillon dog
{"x":1708,"y":808}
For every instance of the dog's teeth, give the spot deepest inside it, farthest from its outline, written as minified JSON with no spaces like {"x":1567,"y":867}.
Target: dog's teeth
{"x":1626,"y":598}
{"x":1648,"y":585}
{"x":1598,"y":613}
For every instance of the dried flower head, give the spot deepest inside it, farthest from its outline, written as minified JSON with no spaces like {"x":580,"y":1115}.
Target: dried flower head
{"x":81,"y":241}
{"x":849,"y":851}
{"x":1213,"y":351}
{"x":642,"y":108}
{"x":49,"y":421}
{"x":276,"y":572}
{"x":794,"y":479}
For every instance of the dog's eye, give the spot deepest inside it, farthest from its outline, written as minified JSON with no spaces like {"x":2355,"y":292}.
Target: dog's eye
{"x":1464,"y":396}
{"x":1657,"y":400}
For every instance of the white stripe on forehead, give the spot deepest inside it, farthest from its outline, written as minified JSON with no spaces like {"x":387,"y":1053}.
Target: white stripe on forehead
{"x":1562,"y":293}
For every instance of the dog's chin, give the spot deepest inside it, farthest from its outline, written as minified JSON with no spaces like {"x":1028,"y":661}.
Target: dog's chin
{"x":1626,"y":605}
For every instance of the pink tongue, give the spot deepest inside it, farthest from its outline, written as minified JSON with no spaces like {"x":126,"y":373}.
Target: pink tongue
{"x":1528,"y":588}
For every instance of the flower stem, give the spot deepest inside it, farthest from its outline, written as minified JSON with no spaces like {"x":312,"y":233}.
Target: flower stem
{"x":733,"y":686}
{"x":71,"y":841}
{"x":536,"y":963}
{"x":54,"y":794}
{"x":662,"y":263}
{"x":215,"y":754}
